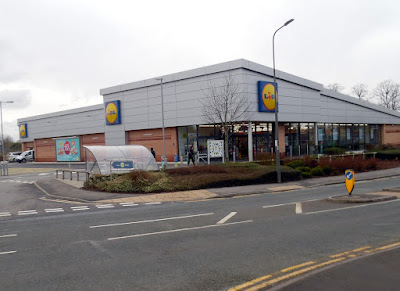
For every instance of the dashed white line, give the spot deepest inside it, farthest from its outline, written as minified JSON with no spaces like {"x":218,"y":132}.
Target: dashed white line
{"x":27,"y":212}
{"x":299,"y":208}
{"x":277,"y":205}
{"x":43,"y":174}
{"x":51,"y":210}
{"x":152,"y":203}
{"x":226,"y":218}
{"x":152,"y":220}
{"x":178,"y":230}
{"x":5,"y":214}
{"x":8,"y":235}
{"x":9,"y":252}
{"x":128,"y":204}
{"x":105,"y":206}
{"x":78,"y":208}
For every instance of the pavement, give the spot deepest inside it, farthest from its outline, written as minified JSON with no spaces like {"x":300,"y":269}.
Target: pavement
{"x":71,"y":189}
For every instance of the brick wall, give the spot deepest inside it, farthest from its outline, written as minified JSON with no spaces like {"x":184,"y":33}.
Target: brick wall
{"x":153,"y":138}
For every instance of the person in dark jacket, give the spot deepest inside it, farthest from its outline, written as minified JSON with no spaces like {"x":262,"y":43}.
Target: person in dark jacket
{"x":191,"y":156}
{"x":153,"y":152}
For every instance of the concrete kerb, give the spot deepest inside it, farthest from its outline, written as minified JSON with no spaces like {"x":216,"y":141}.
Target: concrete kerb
{"x":361,"y":198}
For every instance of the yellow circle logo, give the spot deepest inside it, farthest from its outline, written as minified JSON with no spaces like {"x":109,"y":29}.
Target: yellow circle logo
{"x":111,"y":112}
{"x":22,"y":130}
{"x":268,"y":96}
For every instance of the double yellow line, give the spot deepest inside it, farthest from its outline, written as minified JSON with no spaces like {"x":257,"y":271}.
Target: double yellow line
{"x":271,"y":279}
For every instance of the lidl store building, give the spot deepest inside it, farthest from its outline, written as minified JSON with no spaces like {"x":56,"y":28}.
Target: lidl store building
{"x":311,"y":117}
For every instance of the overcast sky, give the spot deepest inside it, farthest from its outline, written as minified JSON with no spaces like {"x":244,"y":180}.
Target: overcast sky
{"x":56,"y":55}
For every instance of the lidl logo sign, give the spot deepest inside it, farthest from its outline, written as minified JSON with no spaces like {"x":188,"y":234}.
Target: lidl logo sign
{"x":267,"y":96}
{"x":349,"y":180}
{"x":113,"y":112}
{"x":23,"y":130}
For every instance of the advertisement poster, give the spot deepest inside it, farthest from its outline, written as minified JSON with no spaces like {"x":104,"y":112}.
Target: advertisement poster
{"x":68,"y":150}
{"x":215,"y":148}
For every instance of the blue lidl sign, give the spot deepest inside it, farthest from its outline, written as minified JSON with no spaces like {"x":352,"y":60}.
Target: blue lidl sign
{"x":23,"y":130}
{"x":122,"y":165}
{"x":267,"y":96}
{"x":113,"y":112}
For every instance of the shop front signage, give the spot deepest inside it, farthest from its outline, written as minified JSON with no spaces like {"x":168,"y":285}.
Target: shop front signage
{"x":23,"y":130}
{"x":113,"y":112}
{"x":267,"y":96}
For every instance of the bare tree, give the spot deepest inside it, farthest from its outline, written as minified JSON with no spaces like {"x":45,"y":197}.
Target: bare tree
{"x":387,"y":94}
{"x":335,"y":87}
{"x":360,"y":90}
{"x":225,"y":104}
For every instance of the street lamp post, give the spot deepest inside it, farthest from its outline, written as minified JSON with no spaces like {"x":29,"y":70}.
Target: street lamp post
{"x":278,"y":158}
{"x":162,"y":114}
{"x":2,"y":135}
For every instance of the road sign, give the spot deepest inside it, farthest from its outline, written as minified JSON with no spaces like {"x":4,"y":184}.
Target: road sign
{"x":350,"y":180}
{"x":122,"y":165}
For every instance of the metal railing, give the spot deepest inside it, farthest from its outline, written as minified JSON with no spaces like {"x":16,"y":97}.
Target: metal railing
{"x":78,"y":172}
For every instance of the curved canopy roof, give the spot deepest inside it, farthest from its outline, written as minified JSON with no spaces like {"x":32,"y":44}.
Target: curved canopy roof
{"x":106,"y":160}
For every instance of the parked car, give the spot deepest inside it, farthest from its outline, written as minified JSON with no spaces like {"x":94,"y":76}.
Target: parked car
{"x":27,"y":156}
{"x":12,"y":155}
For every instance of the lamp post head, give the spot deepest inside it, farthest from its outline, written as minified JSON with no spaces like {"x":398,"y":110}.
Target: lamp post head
{"x":287,"y":22}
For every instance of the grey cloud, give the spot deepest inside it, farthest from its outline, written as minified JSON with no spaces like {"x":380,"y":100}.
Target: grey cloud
{"x":22,"y":98}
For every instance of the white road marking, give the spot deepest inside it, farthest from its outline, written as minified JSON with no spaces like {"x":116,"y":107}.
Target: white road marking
{"x":5,"y":253}
{"x":358,"y":206}
{"x":226,"y":218}
{"x":78,"y":208}
{"x":51,"y":210}
{"x":152,"y":203}
{"x":5,"y":214}
{"x":43,"y":174}
{"x":8,"y":235}
{"x":26,"y":182}
{"x":105,"y":206}
{"x":277,"y":205}
{"x":27,"y":212}
{"x":32,"y":182}
{"x":177,"y":230}
{"x":152,"y":220}
{"x":299,"y":208}
{"x":128,"y":204}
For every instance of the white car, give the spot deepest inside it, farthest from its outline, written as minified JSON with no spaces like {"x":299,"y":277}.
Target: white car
{"x":12,"y":155}
{"x":25,"y":156}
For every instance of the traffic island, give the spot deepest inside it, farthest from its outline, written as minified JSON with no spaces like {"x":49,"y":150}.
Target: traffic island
{"x":361,"y":198}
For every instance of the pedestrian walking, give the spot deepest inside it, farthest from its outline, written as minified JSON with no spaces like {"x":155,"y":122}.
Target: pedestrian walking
{"x":153,"y":152}
{"x":191,"y":156}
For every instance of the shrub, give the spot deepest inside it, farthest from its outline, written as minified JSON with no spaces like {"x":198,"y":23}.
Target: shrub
{"x":317,"y":171}
{"x":266,"y":158}
{"x":327,"y":170}
{"x":306,"y":175}
{"x":310,"y":162}
{"x":295,"y":164}
{"x":334,"y":151}
{"x":198,"y":170}
{"x":388,"y":155}
{"x":304,"y":169}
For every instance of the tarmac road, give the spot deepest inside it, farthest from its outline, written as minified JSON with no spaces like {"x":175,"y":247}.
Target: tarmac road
{"x":206,"y":245}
